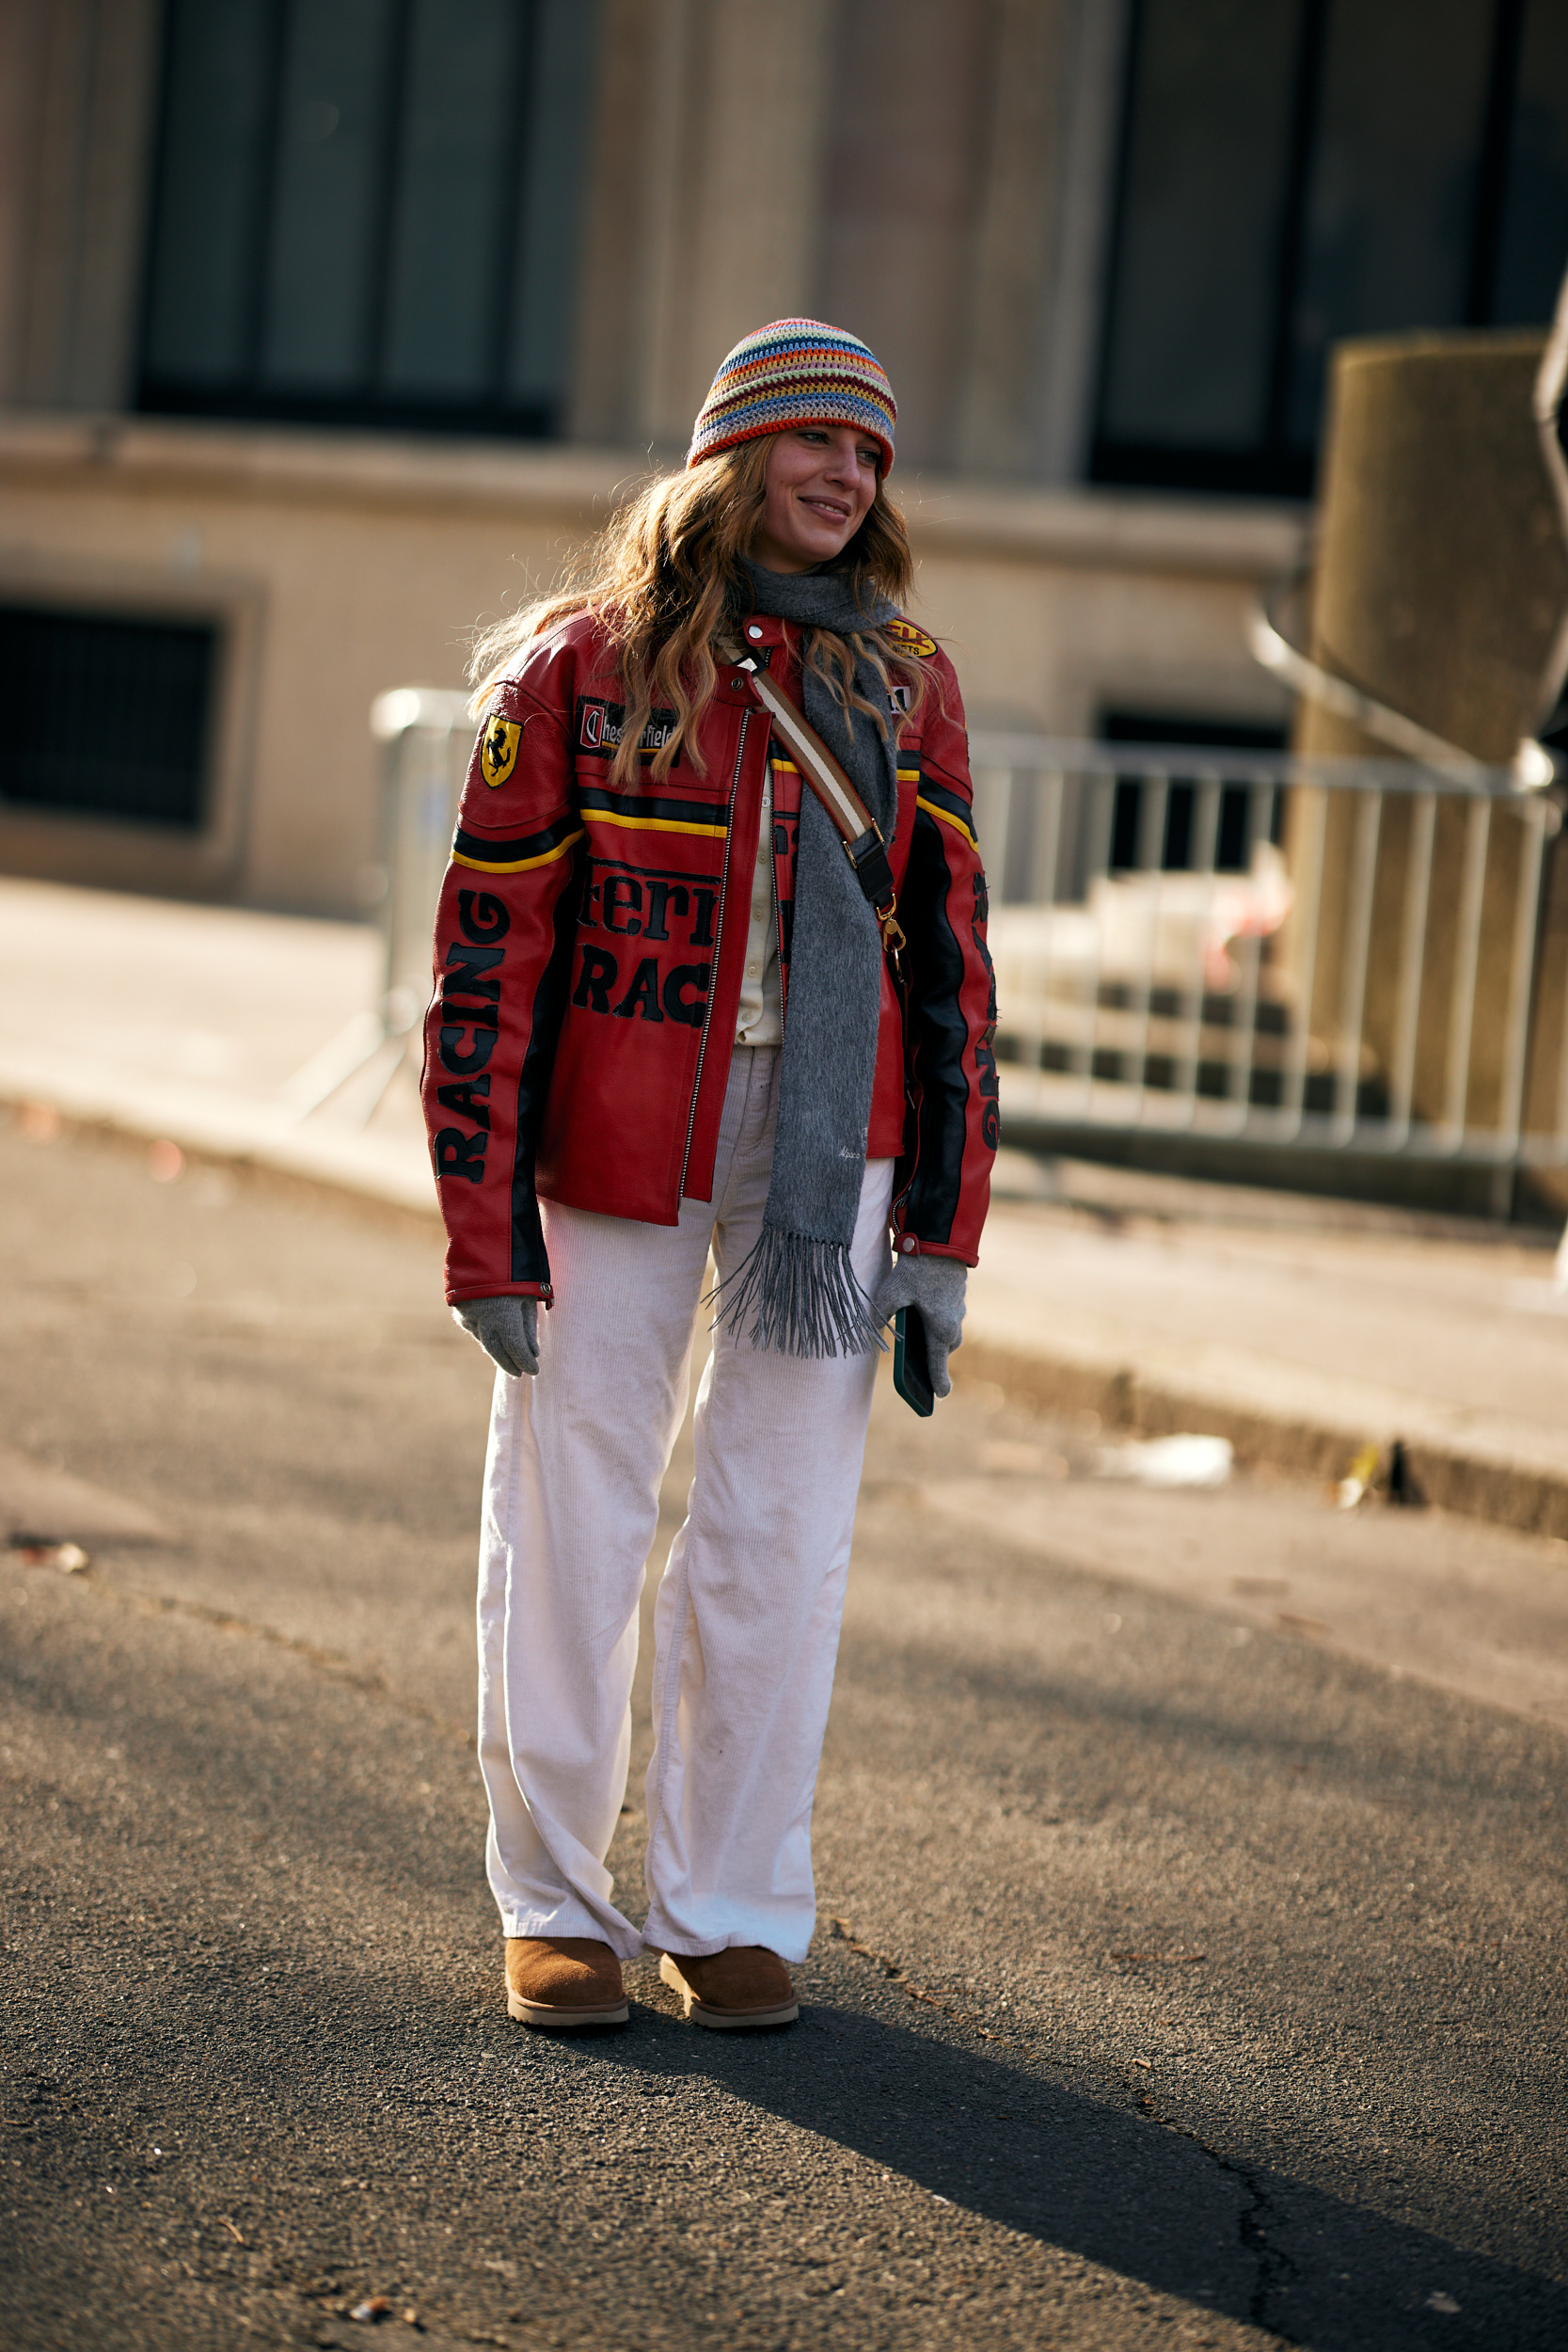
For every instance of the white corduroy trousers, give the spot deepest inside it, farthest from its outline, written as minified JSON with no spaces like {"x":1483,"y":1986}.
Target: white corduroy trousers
{"x":747,"y":1619}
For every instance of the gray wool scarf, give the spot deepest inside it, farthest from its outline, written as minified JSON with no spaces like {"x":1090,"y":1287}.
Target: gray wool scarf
{"x":798,"y":1286}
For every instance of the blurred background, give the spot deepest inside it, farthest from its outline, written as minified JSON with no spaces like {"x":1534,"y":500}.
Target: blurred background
{"x":328,"y":326}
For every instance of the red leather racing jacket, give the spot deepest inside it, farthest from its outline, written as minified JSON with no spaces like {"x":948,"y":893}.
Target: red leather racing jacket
{"x":589,"y":950}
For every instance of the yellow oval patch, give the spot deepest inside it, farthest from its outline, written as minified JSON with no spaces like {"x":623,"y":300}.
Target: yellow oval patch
{"x":497,"y":749}
{"x":912,"y":639}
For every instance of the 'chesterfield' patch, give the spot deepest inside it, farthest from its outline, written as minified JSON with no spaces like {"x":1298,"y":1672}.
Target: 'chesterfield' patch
{"x":497,"y":752}
{"x":602,"y":724}
{"x":912,"y":639}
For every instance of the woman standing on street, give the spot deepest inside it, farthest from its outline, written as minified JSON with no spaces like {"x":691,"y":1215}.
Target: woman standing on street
{"x":671,"y":1017}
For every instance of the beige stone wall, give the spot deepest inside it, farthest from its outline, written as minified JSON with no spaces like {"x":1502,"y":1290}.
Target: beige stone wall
{"x":935,"y":178}
{"x":345,"y":564}
{"x":366,"y":562}
{"x":1055,"y":604}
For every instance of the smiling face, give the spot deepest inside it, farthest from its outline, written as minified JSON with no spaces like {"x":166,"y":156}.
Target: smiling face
{"x":820,"y":482}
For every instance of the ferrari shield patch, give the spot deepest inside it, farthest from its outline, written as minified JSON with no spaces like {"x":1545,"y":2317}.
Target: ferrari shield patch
{"x":912,"y":639}
{"x":497,"y":749}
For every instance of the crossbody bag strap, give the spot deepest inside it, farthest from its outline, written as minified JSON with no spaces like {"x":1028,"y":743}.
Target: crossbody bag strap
{"x":857,"y":829}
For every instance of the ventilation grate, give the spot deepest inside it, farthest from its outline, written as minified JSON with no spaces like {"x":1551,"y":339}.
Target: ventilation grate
{"x":104,"y":716}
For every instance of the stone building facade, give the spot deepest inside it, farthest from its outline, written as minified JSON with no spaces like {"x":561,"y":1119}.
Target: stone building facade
{"x":327,"y":328}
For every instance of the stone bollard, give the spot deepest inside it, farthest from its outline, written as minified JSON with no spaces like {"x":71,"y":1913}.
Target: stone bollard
{"x":1440,"y":586}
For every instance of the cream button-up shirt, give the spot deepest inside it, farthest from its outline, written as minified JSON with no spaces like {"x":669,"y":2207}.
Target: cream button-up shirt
{"x":760,"y":1019}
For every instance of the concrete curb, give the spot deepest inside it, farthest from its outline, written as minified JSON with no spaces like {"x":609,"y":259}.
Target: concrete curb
{"x":1478,"y":1482}
{"x":230,"y":1127}
{"x":1479,"y":1473}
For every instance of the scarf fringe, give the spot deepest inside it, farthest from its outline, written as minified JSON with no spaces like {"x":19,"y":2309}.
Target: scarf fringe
{"x":802,"y":1297}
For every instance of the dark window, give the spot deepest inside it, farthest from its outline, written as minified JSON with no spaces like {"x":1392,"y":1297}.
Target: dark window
{"x":1298,"y":171}
{"x":1247,"y":813}
{"x":365,"y":211}
{"x":104,"y":717}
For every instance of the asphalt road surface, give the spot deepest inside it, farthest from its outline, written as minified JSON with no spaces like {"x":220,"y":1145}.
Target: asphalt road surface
{"x":1181,"y":1979}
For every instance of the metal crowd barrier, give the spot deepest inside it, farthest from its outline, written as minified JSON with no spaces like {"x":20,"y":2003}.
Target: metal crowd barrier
{"x":1341,"y":955}
{"x":425,"y":737}
{"x":1324,"y":954}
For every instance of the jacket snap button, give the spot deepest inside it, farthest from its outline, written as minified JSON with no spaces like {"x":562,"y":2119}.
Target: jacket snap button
{"x":754,"y":631}
{"x":908,"y":1243}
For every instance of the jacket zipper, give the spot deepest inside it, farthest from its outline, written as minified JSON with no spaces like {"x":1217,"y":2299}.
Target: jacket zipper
{"x":717,"y":952}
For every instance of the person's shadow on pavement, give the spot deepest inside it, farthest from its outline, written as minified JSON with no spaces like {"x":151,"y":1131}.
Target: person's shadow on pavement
{"x":1116,"y":2187}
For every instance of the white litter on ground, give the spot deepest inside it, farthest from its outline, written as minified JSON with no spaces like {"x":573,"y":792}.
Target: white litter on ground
{"x":1184,"y":1460}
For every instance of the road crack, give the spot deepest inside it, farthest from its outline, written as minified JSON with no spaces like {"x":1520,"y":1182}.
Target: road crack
{"x":329,"y":1663}
{"x":895,"y":1971}
{"x":1273,"y":2267}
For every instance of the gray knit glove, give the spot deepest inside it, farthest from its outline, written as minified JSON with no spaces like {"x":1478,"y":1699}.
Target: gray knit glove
{"x":506,"y":1329}
{"x":936,"y":1286}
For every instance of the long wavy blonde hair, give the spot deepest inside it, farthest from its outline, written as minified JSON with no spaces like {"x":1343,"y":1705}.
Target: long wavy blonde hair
{"x":665,"y":575}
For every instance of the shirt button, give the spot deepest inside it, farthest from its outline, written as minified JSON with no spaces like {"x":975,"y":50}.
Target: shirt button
{"x":753,"y":632}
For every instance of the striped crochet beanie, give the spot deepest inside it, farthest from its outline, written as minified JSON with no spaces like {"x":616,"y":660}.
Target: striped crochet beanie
{"x":795,"y":371}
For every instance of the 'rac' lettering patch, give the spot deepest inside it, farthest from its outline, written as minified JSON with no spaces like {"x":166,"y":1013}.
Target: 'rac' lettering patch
{"x":912,"y":639}
{"x":497,"y":749}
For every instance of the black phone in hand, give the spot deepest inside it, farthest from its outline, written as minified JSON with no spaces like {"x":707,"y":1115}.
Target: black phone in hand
{"x":911,"y":1362}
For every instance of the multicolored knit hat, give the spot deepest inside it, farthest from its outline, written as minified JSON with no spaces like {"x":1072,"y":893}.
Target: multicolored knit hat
{"x":795,"y":371}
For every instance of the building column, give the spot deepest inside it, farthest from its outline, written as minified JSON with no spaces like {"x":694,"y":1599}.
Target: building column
{"x":80,"y":83}
{"x":704,"y":206}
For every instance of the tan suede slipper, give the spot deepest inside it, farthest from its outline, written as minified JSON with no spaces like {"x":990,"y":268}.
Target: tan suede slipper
{"x":735,"y":1990}
{"x":563,"y":1981}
